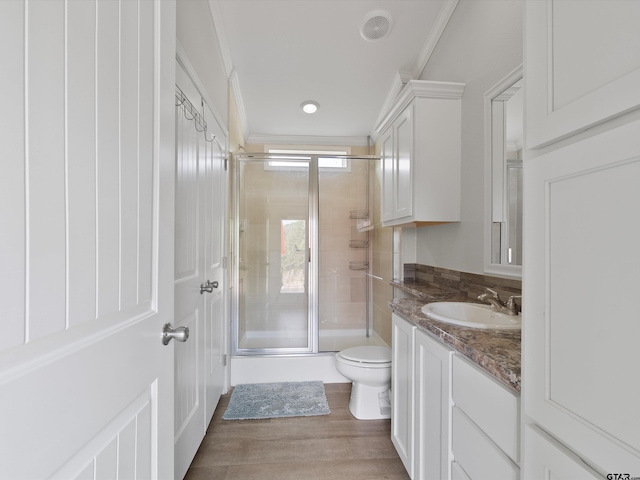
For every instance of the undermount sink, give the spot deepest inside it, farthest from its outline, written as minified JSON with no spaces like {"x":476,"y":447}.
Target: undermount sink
{"x":474,"y":315}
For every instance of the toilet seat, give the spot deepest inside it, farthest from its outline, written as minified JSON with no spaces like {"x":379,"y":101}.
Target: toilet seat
{"x":374,"y":356}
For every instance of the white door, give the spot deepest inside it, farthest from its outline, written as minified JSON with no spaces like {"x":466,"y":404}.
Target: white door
{"x":199,"y":279}
{"x":215,"y":328}
{"x":190,"y":225}
{"x":86,"y":385}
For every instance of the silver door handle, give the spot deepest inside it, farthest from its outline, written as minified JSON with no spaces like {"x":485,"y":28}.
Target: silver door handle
{"x":181,"y":334}
{"x":208,"y":286}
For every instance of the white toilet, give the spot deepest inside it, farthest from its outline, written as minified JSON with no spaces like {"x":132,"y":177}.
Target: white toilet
{"x":369,"y":368}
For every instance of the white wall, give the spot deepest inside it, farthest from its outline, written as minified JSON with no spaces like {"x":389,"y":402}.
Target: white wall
{"x":196,"y":34}
{"x":481,"y":44}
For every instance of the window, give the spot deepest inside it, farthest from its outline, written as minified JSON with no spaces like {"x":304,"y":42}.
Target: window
{"x":326,"y":163}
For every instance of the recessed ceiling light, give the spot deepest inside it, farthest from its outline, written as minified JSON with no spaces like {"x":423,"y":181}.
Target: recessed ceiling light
{"x":309,"y":106}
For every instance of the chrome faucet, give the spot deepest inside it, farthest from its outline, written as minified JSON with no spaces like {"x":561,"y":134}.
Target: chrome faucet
{"x":510,"y":307}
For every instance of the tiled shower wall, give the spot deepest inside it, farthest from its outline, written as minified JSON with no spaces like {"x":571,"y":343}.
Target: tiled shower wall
{"x":342,"y":289}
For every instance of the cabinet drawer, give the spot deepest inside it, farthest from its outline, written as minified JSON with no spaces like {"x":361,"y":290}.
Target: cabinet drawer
{"x":478,"y":456}
{"x":491,"y":406}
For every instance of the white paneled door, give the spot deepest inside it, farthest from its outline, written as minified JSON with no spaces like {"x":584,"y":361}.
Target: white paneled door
{"x":86,"y":238}
{"x":199,"y":279}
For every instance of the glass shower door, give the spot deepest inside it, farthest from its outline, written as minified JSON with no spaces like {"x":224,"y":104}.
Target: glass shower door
{"x":274,"y":259}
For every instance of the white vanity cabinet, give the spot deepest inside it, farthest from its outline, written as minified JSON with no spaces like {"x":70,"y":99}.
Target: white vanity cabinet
{"x":420,"y":422}
{"x":402,"y":384}
{"x":420,"y":145}
{"x":432,"y":393}
{"x":485,"y":418}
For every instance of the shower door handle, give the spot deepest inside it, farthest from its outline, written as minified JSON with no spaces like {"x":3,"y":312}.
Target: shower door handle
{"x":181,"y":334}
{"x":208,"y":286}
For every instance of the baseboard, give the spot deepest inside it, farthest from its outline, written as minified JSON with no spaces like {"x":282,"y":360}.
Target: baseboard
{"x":268,"y":369}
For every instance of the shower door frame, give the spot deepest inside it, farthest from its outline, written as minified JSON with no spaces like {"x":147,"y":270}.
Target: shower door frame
{"x":312,"y":260}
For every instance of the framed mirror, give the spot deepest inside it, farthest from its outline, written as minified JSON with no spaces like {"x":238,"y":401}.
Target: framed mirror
{"x":503,"y":176}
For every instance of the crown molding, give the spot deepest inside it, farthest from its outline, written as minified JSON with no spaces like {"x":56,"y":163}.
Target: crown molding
{"x":444,"y":15}
{"x":420,"y":89}
{"x":257,"y":139}
{"x":232,"y":73}
{"x":399,"y":81}
{"x":216,"y":15}
{"x":402,"y":78}
{"x":234,"y":82}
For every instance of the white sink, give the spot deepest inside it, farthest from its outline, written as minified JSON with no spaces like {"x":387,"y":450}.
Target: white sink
{"x":474,"y":315}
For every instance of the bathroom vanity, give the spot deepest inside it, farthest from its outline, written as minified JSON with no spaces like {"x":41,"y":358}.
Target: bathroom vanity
{"x":456,"y":394}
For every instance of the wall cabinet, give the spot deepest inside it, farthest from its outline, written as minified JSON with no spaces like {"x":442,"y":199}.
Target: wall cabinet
{"x":485,"y":425}
{"x":580,"y":257}
{"x":583,"y":65}
{"x":420,"y":144}
{"x":580,"y":347}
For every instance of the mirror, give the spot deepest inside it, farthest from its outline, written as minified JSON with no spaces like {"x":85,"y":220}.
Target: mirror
{"x":504,"y":145}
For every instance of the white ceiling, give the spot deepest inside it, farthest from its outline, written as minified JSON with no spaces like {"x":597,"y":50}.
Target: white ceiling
{"x":283,"y":52}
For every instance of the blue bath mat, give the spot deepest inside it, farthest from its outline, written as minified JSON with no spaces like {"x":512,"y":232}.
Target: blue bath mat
{"x":254,"y":401}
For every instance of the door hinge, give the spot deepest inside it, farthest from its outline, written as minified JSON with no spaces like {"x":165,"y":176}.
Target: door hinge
{"x":224,"y":262}
{"x":224,"y":360}
{"x":226,"y":162}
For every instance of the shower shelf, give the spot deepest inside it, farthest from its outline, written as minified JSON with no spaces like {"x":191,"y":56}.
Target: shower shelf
{"x":358,"y":265}
{"x":358,"y":244}
{"x":358,"y":214}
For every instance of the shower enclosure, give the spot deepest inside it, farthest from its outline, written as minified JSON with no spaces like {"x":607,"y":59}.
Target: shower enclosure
{"x":302,"y":282}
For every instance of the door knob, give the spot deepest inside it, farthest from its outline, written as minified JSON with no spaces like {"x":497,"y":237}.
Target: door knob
{"x":208,"y":286}
{"x":181,"y":334}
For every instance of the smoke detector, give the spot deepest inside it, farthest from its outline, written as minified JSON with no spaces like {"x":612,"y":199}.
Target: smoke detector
{"x":376,"y":25}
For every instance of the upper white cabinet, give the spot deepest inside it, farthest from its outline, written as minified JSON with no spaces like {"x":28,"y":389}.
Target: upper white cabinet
{"x":582,"y":65}
{"x":420,"y":144}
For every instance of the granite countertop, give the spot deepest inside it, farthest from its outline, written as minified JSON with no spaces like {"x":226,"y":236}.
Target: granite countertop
{"x":497,"y":352}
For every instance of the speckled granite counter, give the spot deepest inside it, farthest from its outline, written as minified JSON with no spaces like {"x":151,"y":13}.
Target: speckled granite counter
{"x":495,"y":351}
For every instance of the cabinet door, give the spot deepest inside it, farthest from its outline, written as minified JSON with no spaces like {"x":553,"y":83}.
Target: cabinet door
{"x":546,"y":458}
{"x":403,"y":188}
{"x":583,"y":65}
{"x":388,"y":176}
{"x":580,"y":328}
{"x":432,"y":397}
{"x":402,"y":390}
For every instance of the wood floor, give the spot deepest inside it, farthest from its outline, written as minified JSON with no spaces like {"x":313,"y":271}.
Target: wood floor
{"x":328,"y":447}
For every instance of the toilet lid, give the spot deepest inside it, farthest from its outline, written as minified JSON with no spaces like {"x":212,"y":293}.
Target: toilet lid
{"x":367,"y":354}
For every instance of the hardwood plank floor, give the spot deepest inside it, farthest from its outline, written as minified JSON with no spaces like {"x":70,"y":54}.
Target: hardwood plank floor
{"x":328,"y":447}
